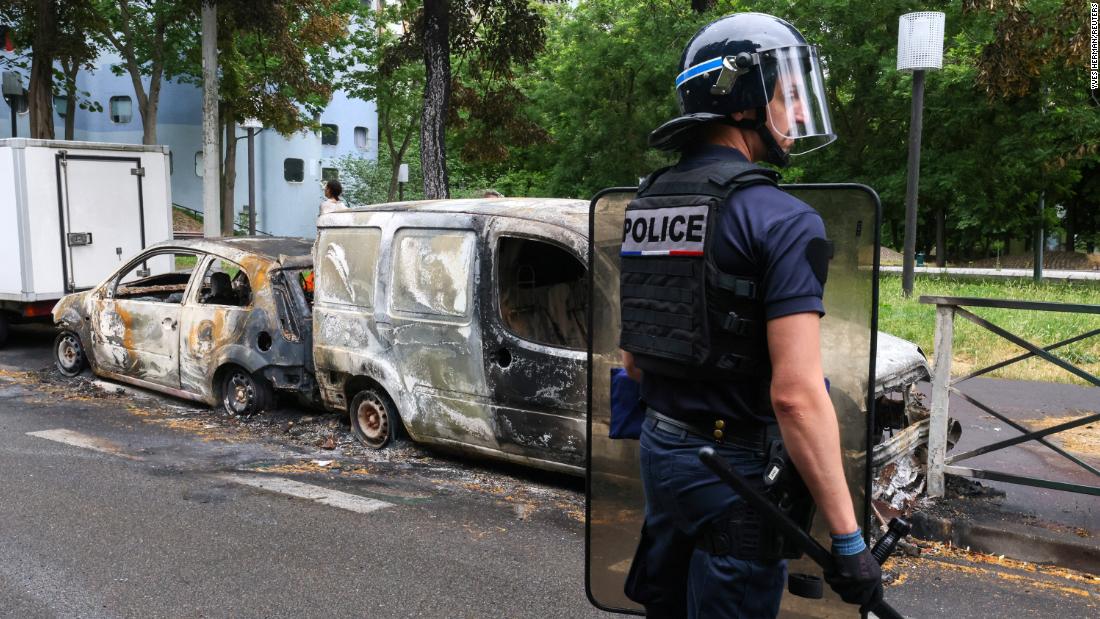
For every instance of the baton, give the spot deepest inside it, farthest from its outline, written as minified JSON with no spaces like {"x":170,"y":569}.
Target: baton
{"x":787,"y":527}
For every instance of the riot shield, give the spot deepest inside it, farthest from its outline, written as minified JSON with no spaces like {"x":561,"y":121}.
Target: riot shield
{"x":615,"y":502}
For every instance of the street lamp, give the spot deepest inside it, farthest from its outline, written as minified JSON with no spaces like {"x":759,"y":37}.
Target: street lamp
{"x":11,"y":85}
{"x":402,"y":178}
{"x":252,"y":124}
{"x":920,"y":49}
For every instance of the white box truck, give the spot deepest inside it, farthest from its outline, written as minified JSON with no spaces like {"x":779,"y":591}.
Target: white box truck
{"x":70,"y":213}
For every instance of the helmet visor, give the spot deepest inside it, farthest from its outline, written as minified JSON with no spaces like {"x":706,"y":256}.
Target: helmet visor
{"x":797,"y":109}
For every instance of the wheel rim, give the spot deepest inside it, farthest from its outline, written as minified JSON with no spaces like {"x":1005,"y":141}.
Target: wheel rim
{"x":240,"y":393}
{"x":68,"y":352}
{"x":373,"y":420}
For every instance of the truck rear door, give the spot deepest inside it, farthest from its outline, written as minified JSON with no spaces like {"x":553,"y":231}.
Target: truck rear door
{"x":102,"y":215}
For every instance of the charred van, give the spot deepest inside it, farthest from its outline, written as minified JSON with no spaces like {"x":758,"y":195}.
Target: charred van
{"x":459,"y":322}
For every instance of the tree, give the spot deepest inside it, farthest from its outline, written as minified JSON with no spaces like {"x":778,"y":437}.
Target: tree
{"x":51,"y":31}
{"x":375,"y":64}
{"x":488,"y":39}
{"x":151,"y":37}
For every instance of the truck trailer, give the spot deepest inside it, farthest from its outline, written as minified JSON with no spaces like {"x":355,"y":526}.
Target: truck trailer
{"x":70,"y":213}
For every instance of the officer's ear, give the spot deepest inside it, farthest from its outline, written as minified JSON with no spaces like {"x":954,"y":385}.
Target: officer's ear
{"x":739,"y":116}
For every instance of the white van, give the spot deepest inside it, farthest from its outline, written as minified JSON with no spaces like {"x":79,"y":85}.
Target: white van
{"x":458,"y":322}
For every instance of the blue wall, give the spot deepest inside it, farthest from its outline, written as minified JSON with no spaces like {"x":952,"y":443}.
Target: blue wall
{"x":283,"y":207}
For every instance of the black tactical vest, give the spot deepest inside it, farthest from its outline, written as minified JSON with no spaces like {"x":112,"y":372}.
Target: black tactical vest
{"x":681,"y":316}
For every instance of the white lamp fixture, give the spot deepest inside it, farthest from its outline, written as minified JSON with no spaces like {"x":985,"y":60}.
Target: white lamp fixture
{"x":920,"y":41}
{"x":252,"y":123}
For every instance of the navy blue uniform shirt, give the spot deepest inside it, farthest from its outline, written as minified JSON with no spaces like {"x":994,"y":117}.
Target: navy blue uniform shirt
{"x":760,"y":229}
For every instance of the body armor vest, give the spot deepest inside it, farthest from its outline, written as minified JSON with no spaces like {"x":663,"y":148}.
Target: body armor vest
{"x":681,"y":315}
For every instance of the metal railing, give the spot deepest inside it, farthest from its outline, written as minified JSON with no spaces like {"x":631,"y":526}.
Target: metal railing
{"x":943,"y":386}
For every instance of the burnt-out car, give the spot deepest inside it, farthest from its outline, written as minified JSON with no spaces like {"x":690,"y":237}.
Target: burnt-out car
{"x":218,"y":321}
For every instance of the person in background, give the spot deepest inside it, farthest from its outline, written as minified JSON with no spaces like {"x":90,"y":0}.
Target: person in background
{"x":332,"y":201}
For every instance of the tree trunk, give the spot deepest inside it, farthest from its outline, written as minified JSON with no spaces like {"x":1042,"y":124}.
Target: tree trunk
{"x":71,"y":71}
{"x":229,"y":172}
{"x":701,"y":6}
{"x":437,"y":92}
{"x":41,"y":90}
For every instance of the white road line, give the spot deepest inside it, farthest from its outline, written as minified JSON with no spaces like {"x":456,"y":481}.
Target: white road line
{"x":76,"y":439}
{"x":317,"y":494}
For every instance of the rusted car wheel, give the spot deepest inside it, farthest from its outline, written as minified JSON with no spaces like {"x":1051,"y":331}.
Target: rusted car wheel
{"x":244,"y":394}
{"x":69,"y":354}
{"x":374,"y":419}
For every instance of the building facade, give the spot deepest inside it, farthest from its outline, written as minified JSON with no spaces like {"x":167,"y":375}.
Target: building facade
{"x":290,"y":171}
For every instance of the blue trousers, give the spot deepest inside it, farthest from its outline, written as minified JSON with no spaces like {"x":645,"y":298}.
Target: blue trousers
{"x":670,"y":576}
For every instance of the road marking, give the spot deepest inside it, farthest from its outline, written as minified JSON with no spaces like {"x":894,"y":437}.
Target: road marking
{"x":309,"y":492}
{"x":76,"y":439}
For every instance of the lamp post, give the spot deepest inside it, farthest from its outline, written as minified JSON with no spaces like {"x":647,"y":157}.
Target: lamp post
{"x":11,"y":85}
{"x":920,"y":49}
{"x":252,"y":124}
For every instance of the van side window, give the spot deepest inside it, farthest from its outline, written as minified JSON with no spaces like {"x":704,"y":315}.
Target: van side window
{"x":431,"y":272}
{"x":347,"y":261}
{"x":542,"y":292}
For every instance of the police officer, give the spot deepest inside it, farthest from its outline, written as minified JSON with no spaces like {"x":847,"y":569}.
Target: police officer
{"x":722,"y":280}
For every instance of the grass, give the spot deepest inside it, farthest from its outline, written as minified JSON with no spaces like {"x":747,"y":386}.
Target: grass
{"x":974,"y":346}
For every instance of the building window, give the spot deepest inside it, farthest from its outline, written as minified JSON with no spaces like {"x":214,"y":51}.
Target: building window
{"x":330,"y":135}
{"x":330,"y":174}
{"x":122,"y":109}
{"x":360,"y":137}
{"x":198,"y":164}
{"x":61,"y":105}
{"x":294,"y":170}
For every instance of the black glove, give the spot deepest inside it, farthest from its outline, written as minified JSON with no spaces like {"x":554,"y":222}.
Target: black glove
{"x":857,"y":579}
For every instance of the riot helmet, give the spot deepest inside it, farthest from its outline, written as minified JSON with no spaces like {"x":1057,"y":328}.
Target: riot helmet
{"x":751,"y":61}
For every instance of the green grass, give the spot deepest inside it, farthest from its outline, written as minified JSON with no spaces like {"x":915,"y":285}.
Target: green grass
{"x":975,"y":347}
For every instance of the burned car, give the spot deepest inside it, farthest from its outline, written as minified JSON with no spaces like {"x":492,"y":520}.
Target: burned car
{"x":463,"y":324}
{"x":218,"y":321}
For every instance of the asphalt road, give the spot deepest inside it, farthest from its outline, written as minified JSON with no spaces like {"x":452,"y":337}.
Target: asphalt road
{"x":115,"y":505}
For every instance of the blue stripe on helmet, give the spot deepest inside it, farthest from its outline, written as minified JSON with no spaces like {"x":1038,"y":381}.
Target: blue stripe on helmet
{"x":699,"y":69}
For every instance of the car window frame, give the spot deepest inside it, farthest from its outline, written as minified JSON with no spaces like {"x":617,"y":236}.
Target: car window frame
{"x":473,"y":268}
{"x":107,"y":290}
{"x":192,"y":298}
{"x":497,"y":310}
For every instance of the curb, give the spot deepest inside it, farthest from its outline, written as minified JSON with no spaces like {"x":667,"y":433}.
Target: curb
{"x":1018,"y":541}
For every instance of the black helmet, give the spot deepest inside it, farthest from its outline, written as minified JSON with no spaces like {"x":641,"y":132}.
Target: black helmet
{"x":733,"y":65}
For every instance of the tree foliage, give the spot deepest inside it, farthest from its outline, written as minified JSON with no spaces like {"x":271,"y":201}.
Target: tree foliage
{"x":1007,"y":119}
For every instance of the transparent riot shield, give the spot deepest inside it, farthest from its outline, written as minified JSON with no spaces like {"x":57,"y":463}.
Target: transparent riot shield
{"x":615,"y":502}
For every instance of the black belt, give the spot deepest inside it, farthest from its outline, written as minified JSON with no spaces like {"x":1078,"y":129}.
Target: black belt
{"x":715,"y":429}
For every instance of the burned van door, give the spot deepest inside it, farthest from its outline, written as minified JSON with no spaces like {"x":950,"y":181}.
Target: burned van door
{"x":534,"y":344}
{"x":435,"y":337}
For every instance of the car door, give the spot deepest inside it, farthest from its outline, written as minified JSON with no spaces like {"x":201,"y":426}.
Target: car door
{"x":534,"y":339}
{"x":212,"y":319}
{"x":135,"y":328}
{"x":432,"y":312}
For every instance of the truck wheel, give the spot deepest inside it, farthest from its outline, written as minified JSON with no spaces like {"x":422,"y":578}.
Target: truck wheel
{"x":69,"y":354}
{"x":374,"y":419}
{"x":243,"y":393}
